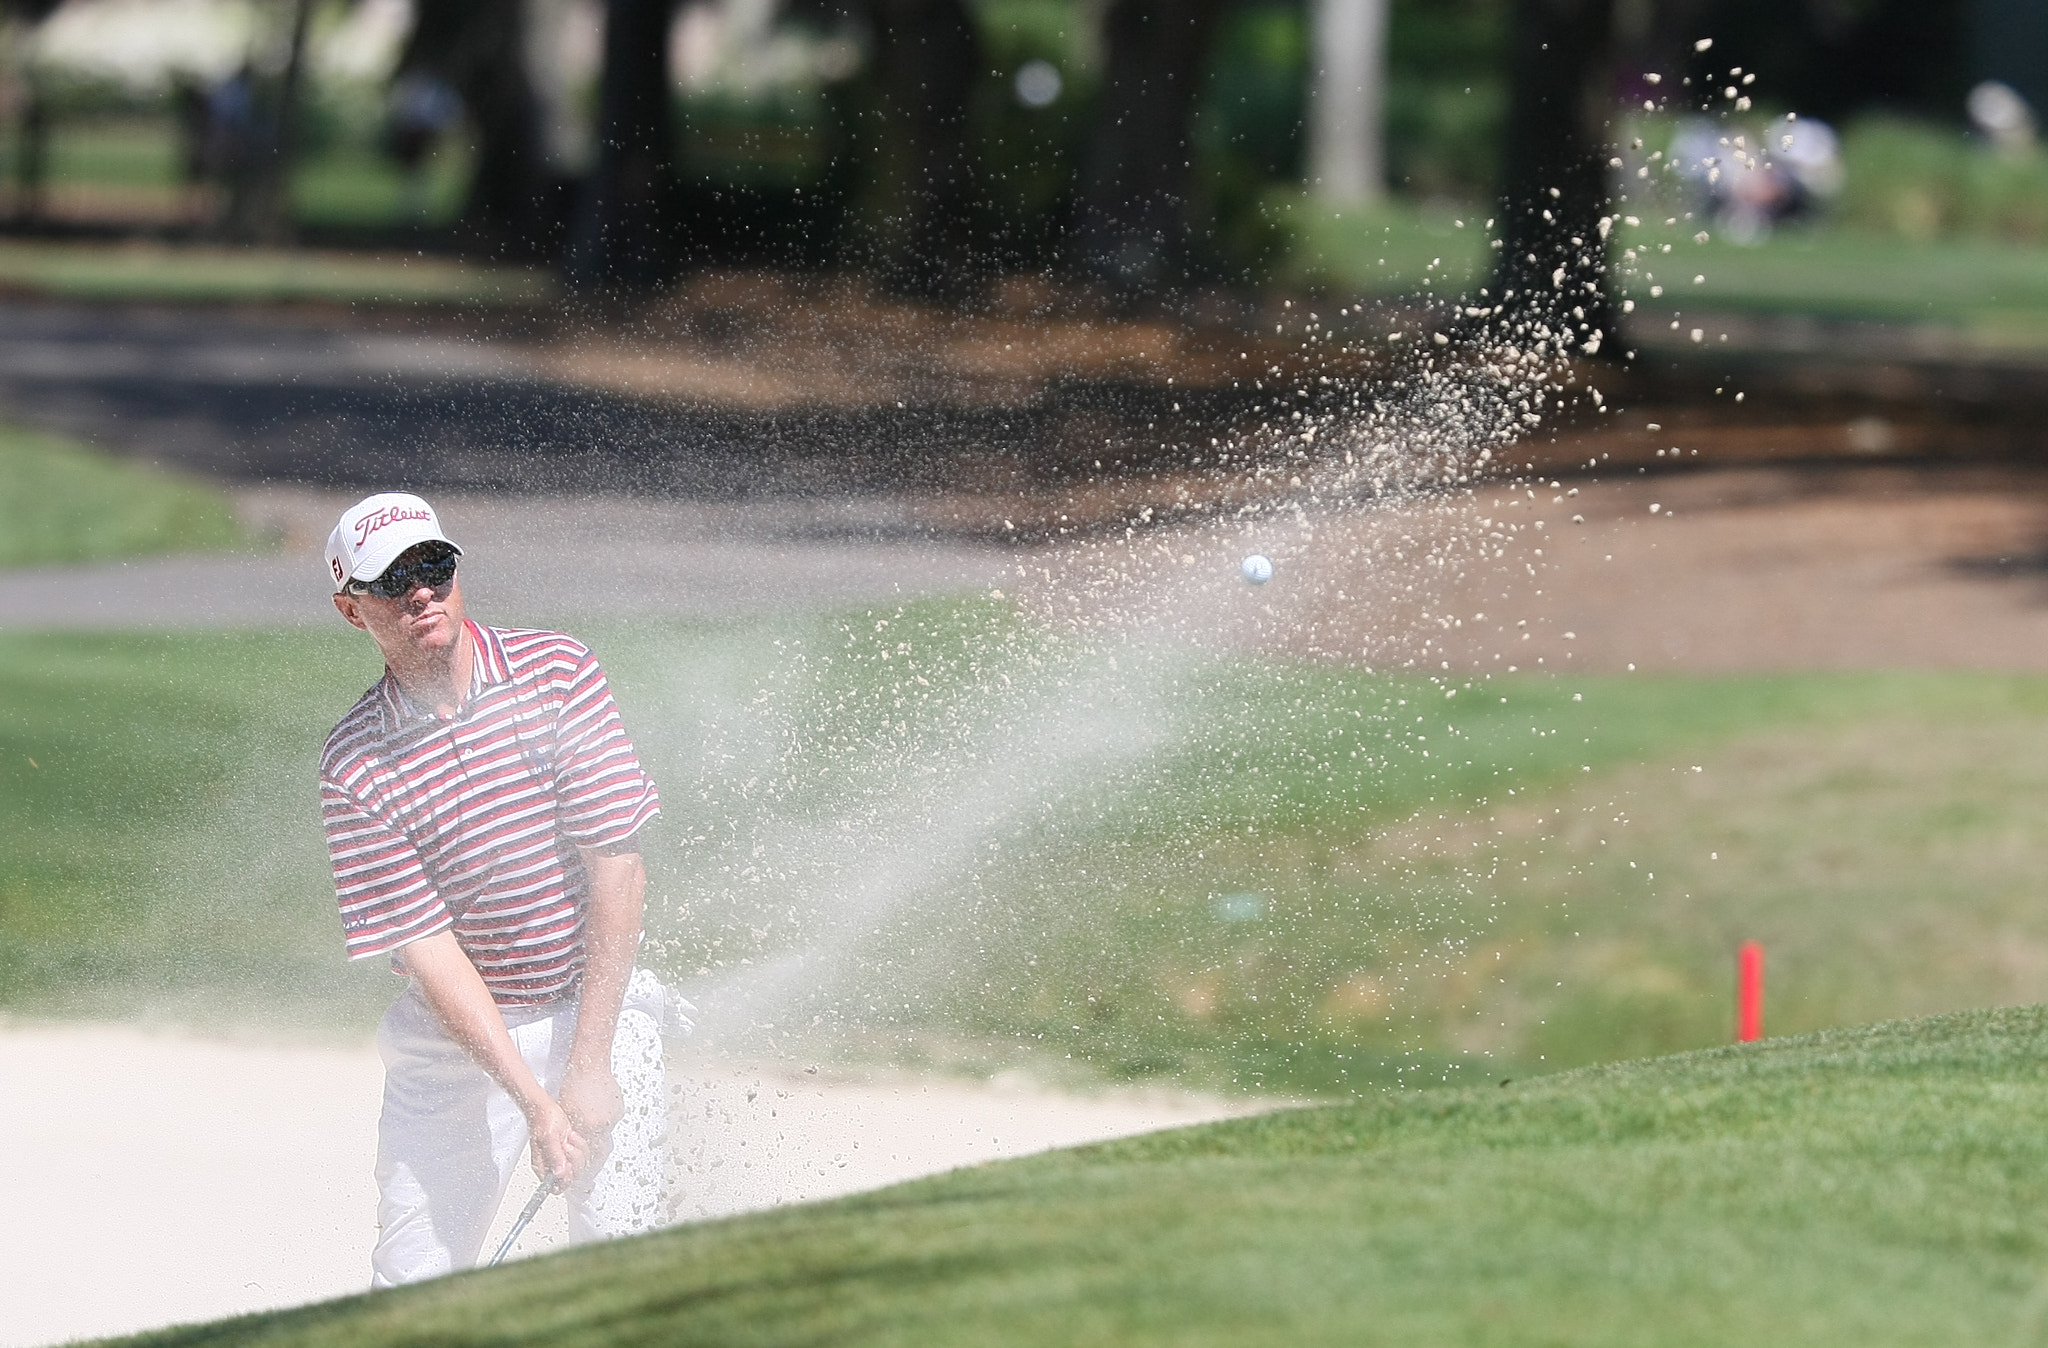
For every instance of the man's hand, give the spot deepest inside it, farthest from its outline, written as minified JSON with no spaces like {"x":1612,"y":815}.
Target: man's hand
{"x":463,"y":1005}
{"x":559,"y":1149}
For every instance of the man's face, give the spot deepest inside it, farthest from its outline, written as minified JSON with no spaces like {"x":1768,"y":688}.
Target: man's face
{"x":420,"y":626}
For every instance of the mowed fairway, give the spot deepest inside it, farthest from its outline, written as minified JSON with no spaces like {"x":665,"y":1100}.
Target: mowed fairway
{"x":1871,"y":1186}
{"x":1226,"y":873}
{"x":62,"y":501}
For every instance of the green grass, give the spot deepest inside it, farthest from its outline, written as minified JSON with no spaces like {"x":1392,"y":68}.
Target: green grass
{"x":133,"y":166}
{"x":61,"y":501}
{"x":1922,"y":181}
{"x":1993,"y":294}
{"x":362,"y":188}
{"x":113,"y":151}
{"x":991,"y":849}
{"x":1383,"y":251}
{"x":1878,"y":1186}
{"x":127,"y":167}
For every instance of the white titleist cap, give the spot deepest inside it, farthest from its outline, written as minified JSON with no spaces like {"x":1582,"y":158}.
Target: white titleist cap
{"x":374,"y":530}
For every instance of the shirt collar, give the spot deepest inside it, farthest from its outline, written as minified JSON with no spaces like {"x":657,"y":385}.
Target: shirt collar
{"x":489,"y":667}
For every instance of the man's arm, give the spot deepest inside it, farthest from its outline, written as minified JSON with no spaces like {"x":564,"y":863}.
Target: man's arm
{"x":611,"y":939}
{"x":463,"y":1005}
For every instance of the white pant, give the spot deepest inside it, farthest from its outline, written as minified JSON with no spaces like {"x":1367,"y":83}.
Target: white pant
{"x":450,"y":1139}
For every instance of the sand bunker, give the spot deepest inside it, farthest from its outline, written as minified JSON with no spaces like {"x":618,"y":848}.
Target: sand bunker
{"x":162,"y":1178}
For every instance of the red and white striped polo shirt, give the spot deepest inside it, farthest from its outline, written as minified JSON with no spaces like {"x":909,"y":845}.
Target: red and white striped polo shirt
{"x":473,"y":823}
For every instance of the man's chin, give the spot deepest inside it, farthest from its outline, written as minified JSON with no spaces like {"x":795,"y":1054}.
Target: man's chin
{"x":434,"y":632}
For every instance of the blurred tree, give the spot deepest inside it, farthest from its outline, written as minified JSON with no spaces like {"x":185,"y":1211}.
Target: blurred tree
{"x":32,"y":151}
{"x":1026,"y":116}
{"x":1656,"y":36}
{"x":618,"y":240}
{"x":1131,"y":226}
{"x":1447,"y":76}
{"x":259,"y":187}
{"x":1346,"y":150}
{"x":1835,"y":58}
{"x":32,"y":129}
{"x":478,"y":48}
{"x":1246,"y":133}
{"x":914,"y":203}
{"x":1554,"y":179}
{"x":2010,"y":43}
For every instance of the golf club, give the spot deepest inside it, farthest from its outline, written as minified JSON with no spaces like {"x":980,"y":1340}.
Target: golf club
{"x":547,"y":1187}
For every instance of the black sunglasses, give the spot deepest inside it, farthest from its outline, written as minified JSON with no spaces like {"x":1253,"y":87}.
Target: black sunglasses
{"x":402,"y":578}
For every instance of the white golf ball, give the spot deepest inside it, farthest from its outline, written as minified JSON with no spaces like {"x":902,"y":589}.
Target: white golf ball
{"x":1257,"y":568}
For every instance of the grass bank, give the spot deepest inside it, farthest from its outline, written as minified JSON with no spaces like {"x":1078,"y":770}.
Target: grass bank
{"x":61,"y":501}
{"x":1873,"y":1186}
{"x":936,"y":835}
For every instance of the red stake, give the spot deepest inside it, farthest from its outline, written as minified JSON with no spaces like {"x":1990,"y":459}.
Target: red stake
{"x":1749,"y":992}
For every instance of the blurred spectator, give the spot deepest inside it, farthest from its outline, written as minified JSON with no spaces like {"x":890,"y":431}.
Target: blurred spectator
{"x":230,"y":125}
{"x":1749,"y":182}
{"x":2002,"y":116}
{"x":32,"y":157}
{"x":423,"y":107}
{"x":189,"y":105}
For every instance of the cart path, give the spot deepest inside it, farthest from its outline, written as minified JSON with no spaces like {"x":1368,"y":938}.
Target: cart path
{"x":527,"y":560}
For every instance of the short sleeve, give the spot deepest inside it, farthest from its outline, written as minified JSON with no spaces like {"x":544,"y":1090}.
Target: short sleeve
{"x":602,"y":795}
{"x":386,"y":899}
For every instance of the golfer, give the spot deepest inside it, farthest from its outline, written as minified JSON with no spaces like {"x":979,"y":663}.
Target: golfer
{"x":483,"y":808}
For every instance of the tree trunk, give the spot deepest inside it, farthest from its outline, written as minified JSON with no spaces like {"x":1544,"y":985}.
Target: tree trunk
{"x":1346,"y":138}
{"x":618,"y":240}
{"x":478,"y":48}
{"x":274,"y":224}
{"x":2009,"y":42}
{"x":259,"y":190}
{"x":18,"y":21}
{"x":32,"y":149}
{"x":914,"y":207}
{"x":1553,"y":259}
{"x":503,"y":207}
{"x":1131,"y":219}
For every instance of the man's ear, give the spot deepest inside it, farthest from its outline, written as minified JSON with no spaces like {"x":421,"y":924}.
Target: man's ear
{"x":347,"y":606}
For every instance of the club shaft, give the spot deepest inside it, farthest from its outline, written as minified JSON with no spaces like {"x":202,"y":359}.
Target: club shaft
{"x":519,"y":1225}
